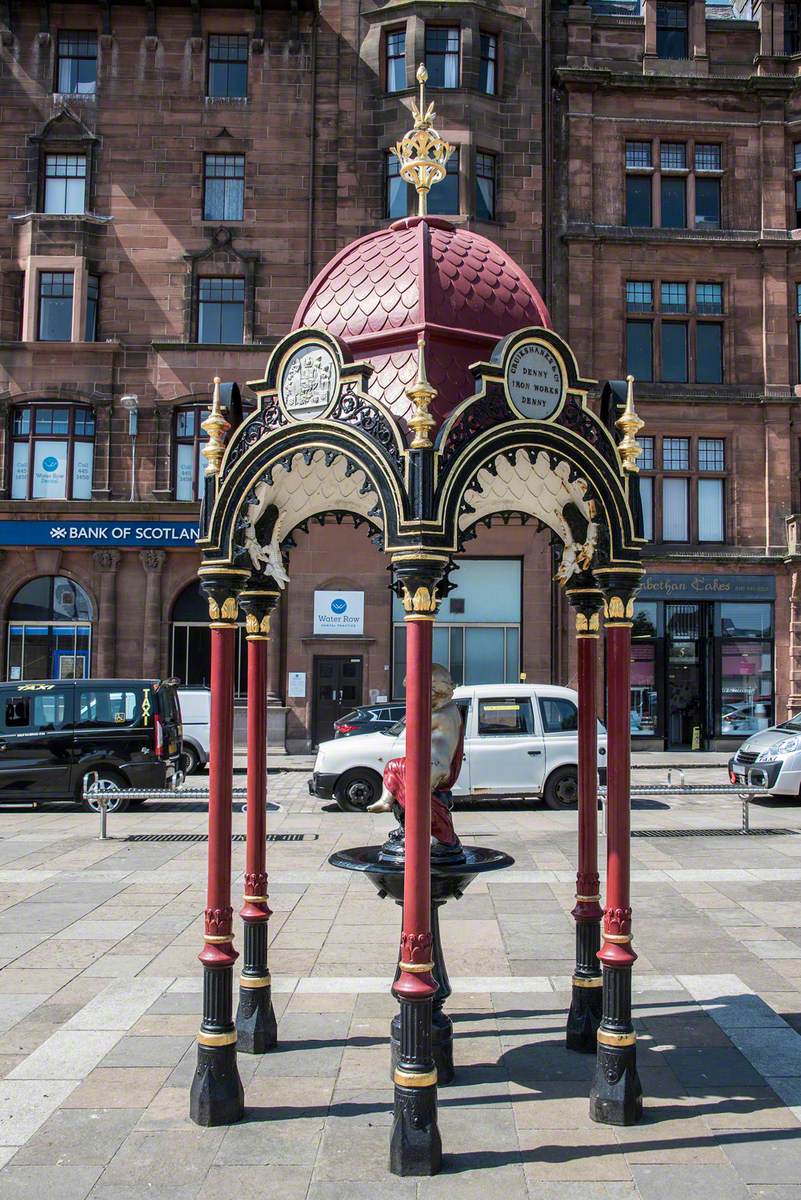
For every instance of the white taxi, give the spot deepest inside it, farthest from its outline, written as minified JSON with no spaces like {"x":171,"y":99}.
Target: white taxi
{"x":521,"y":741}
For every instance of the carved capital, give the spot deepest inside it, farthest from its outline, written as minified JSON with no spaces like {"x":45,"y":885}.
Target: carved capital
{"x":221,"y":587}
{"x":106,"y":560}
{"x":257,"y":603}
{"x":417,"y":578}
{"x":617,"y":923}
{"x":152,"y":560}
{"x":620,"y":586}
{"x":218,"y":922}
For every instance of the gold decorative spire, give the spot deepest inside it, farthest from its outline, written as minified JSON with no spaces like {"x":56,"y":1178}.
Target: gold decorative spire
{"x":630,"y":424}
{"x":421,"y":393}
{"x":216,"y":427}
{"x":421,"y":152}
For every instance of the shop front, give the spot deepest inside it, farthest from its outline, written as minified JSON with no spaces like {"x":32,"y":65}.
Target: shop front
{"x":702,"y":672}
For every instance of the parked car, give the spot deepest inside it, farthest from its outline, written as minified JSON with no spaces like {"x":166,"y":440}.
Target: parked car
{"x":771,"y":759}
{"x":520,"y":741}
{"x":195,"y":703}
{"x":369,"y":718}
{"x":54,"y":733}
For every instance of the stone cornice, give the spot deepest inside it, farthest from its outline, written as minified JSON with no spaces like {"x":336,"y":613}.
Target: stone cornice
{"x":753,"y":238}
{"x":606,"y":77}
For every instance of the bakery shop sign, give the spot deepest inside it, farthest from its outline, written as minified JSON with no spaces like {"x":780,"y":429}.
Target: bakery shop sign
{"x":535,"y":381}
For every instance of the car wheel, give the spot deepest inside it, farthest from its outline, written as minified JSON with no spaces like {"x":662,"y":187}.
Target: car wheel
{"x":110,"y":782}
{"x":357,"y":789}
{"x":190,"y":760}
{"x":561,"y":789}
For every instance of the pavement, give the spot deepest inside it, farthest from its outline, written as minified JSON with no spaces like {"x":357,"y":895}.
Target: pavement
{"x":100,"y":1001}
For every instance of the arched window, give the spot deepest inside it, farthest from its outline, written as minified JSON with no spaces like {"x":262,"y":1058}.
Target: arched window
{"x":189,"y":438}
{"x":50,"y":630}
{"x":52,"y":451}
{"x":190,"y":643}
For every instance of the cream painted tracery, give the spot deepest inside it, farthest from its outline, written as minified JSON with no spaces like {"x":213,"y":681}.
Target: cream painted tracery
{"x":542,"y":491}
{"x":308,"y":489}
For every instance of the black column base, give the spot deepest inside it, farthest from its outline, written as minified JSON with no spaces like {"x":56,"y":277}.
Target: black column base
{"x":584,"y":1018}
{"x":216,"y":1096}
{"x":415,"y":1146}
{"x":441,"y":1046}
{"x":616,"y":1095}
{"x":256,"y":1026}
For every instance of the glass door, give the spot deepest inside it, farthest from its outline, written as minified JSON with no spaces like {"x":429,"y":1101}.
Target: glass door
{"x":685,"y":645}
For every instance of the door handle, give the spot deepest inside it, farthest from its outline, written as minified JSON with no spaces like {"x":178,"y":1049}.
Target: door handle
{"x":533,"y":752}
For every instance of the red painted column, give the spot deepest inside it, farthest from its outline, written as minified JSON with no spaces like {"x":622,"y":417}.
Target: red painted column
{"x":219,"y":913}
{"x":415,"y":1143}
{"x":616,"y":950}
{"x":585,"y":1007}
{"x":216,"y":1095}
{"x":616,"y":1096}
{"x":255,"y":1018}
{"x":416,"y":940}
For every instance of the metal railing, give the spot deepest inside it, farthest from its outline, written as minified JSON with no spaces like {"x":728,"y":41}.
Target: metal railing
{"x":91,"y":791}
{"x":743,"y":794}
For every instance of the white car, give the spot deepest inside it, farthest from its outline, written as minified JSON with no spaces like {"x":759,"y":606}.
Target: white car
{"x":520,"y":741}
{"x":195,"y":705}
{"x":771,"y":759}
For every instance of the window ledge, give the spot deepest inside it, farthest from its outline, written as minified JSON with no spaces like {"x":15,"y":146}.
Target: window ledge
{"x":87,"y":218}
{"x":110,"y":346}
{"x":246,"y":347}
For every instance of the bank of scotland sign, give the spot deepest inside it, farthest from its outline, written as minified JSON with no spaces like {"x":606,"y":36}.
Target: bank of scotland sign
{"x":98,"y":533}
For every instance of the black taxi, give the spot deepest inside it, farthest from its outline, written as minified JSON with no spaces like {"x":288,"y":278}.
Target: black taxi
{"x":53,"y":733}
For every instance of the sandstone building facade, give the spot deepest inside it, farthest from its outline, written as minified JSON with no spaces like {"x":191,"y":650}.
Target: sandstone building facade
{"x":176,"y":174}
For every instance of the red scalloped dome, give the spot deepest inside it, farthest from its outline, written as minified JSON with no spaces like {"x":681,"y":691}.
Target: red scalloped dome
{"x":422,"y":273}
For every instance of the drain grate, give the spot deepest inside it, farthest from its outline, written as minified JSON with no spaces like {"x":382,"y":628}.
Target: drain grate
{"x":204,"y":837}
{"x":689,"y":833}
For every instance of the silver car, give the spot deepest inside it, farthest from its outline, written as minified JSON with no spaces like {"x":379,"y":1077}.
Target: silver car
{"x":771,"y":759}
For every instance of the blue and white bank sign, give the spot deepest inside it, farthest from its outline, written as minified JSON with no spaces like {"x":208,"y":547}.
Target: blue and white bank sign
{"x":339,"y":612}
{"x":98,"y":533}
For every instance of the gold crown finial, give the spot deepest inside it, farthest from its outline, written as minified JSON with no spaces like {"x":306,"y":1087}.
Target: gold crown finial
{"x":630,"y":424}
{"x":421,"y":393}
{"x":421,"y":152}
{"x":216,"y":427}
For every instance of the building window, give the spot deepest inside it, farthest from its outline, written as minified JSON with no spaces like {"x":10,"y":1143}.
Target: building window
{"x":443,"y":199}
{"x":92,"y":302}
{"x":690,"y":349}
{"x":689,"y":489}
{"x":55,"y":306}
{"x":671,"y":31}
{"x":798,"y":325}
{"x":488,"y":67}
{"x":227,"y":66}
{"x":485,"y":187}
{"x":224,"y":187}
{"x":668,"y":184}
{"x":673,"y":188}
{"x":221,"y":311}
{"x":397,"y":190}
{"x":52,"y":452}
{"x":646,"y":483}
{"x":396,"y":60}
{"x":638,"y":186}
{"x":477,"y":631}
{"x":65,"y":183}
{"x":792,"y":28}
{"x":49,"y":637}
{"x":746,"y":668}
{"x":76,"y":71}
{"x":797,"y":185}
{"x":442,"y":56}
{"x":189,"y":440}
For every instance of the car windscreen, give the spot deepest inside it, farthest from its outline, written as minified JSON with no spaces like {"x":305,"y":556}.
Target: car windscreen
{"x":794,"y":723}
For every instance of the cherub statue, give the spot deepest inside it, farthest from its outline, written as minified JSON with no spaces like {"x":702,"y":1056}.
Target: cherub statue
{"x":447,"y":744}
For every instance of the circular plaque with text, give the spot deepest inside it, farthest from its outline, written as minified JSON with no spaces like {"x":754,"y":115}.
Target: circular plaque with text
{"x":309,"y":381}
{"x":535,"y":381}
